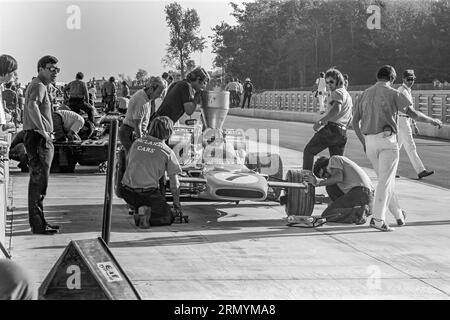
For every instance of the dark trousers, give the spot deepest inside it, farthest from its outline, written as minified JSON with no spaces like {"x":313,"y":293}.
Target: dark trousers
{"x":331,"y":137}
{"x":40,"y":155}
{"x":58,"y":127}
{"x":126,"y":136}
{"x":161,"y":211}
{"x":110,"y":102}
{"x":342,"y":209}
{"x":77,"y":104}
{"x":246,"y":96}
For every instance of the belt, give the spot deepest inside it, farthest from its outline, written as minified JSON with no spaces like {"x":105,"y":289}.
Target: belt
{"x":341,"y":126}
{"x":139,"y":190}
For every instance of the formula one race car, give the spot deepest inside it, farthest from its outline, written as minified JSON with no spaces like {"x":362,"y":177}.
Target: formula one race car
{"x":217,"y":166}
{"x":90,"y":152}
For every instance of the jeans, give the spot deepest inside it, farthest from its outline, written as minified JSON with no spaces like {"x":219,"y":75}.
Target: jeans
{"x":77,"y":104}
{"x":405,"y":139}
{"x":332,"y":137}
{"x":161,"y":213}
{"x":341,"y":209}
{"x":58,"y":127}
{"x":383,"y":154}
{"x":40,"y":155}
{"x":126,"y":136}
{"x":110,"y":102}
{"x":246,"y":96}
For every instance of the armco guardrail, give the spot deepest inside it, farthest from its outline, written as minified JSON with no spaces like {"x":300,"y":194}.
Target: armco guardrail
{"x":5,"y":139}
{"x":436,"y":105}
{"x":433,"y":103}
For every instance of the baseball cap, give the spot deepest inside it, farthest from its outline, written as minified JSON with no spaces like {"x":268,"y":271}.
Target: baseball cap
{"x":409,"y":73}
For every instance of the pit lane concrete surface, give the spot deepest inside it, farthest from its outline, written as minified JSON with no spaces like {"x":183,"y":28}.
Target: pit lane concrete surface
{"x":246,"y":251}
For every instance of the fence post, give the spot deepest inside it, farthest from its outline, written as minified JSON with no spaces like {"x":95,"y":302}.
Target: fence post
{"x":429,"y":105}
{"x":444,"y":109}
{"x":109,"y":188}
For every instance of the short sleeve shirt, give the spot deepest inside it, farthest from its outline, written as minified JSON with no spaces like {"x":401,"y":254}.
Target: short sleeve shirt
{"x":378,"y":106}
{"x":148,"y":159}
{"x":173,"y":104}
{"x":343,"y":97}
{"x":71,"y":120}
{"x":37,"y":92}
{"x":77,"y":89}
{"x":354,"y":175}
{"x":138,"y":108}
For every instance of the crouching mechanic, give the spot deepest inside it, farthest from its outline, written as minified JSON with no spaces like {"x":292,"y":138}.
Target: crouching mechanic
{"x":66,"y":125}
{"x":352,"y":199}
{"x":148,"y":159}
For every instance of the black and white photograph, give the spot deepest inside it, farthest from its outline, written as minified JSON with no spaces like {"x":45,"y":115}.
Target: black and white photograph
{"x":225,"y":158}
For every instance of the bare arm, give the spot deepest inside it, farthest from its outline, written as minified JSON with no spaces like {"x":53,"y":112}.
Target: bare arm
{"x":175,"y":190}
{"x":356,"y":126}
{"x":419,"y":116}
{"x":35,"y":115}
{"x":189,"y":108}
{"x":337,"y":176}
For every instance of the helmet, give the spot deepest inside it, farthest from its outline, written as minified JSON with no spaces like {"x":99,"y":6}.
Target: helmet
{"x":247,"y":79}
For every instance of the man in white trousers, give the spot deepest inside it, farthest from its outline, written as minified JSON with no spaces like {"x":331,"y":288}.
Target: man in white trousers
{"x":321,"y":92}
{"x":405,"y":135}
{"x":377,"y":110}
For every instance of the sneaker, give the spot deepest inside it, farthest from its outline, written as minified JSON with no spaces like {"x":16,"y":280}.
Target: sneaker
{"x":402,"y":221}
{"x":425,"y":173}
{"x":380,"y":225}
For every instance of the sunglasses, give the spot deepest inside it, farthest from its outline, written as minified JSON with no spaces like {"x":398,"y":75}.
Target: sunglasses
{"x":410,"y":79}
{"x":53,"y":69}
{"x":330,"y":82}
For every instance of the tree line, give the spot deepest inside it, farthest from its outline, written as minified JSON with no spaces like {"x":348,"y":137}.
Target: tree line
{"x":285,"y":44}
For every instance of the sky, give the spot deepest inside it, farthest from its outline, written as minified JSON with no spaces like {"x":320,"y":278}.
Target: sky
{"x":109,"y":38}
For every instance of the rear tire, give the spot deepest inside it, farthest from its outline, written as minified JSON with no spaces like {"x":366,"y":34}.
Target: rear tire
{"x":300,"y":202}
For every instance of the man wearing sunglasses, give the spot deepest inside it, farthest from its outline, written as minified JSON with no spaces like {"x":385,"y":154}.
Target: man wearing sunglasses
{"x":375,"y":123}
{"x":405,"y":134}
{"x":333,"y":134}
{"x":38,"y":127}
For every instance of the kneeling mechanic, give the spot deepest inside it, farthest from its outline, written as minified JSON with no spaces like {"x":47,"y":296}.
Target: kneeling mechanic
{"x":148,"y":160}
{"x":352,"y":198}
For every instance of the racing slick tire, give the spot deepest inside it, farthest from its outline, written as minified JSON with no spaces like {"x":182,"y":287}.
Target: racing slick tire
{"x":272,"y":167}
{"x":121,"y":165}
{"x":300,"y":202}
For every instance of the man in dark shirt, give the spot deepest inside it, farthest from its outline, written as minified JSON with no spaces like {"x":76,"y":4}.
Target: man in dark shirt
{"x":109,"y":94}
{"x":180,"y":96}
{"x":78,"y":96}
{"x":248,"y":88}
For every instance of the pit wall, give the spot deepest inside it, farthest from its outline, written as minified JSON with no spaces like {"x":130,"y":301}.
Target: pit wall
{"x":301,"y":106}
